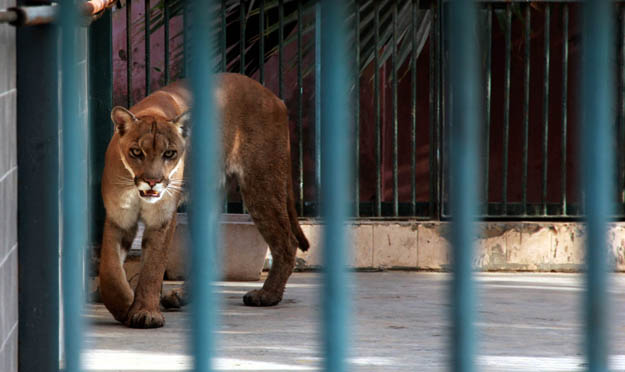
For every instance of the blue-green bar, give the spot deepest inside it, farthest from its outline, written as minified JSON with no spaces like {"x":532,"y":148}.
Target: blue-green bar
{"x":335,"y":121}
{"x":74,"y":194}
{"x":597,"y":163}
{"x":463,"y":186}
{"x":205,"y":204}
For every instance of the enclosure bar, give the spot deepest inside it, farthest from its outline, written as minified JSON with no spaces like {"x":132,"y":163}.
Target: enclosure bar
{"x":565,"y":79}
{"x":166,"y":41}
{"x":300,"y":112}
{"x":597,"y":161}
{"x":487,"y":101}
{"x":74,"y":192}
{"x":547,"y":45}
{"x":146,"y":11}
{"x":506,"y":110}
{"x":621,"y":108}
{"x":394,"y":99}
{"x":223,"y":49}
{"x":261,"y":43}
{"x":223,"y":43}
{"x":242,"y":37}
{"x":318,"y":70}
{"x":434,"y":103}
{"x":280,"y":48}
{"x":336,"y":184}
{"x":129,"y":52}
{"x":526,"y":103}
{"x":357,"y":110}
{"x":413,"y":112}
{"x":376,"y":98}
{"x":204,"y":210}
{"x":463,"y":190}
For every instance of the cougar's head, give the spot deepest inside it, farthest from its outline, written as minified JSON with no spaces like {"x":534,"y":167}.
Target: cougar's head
{"x":152,"y":150}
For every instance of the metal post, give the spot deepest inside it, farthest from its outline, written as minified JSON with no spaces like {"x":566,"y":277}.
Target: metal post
{"x":336,"y":183}
{"x":74,"y":195}
{"x":463,"y":186}
{"x":38,"y":203}
{"x":204,"y":211}
{"x":597,"y":170}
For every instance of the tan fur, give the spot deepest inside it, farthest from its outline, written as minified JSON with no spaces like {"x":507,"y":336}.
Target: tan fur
{"x":256,"y":151}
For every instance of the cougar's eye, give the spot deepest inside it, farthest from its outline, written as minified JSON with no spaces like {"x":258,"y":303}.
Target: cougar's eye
{"x":136,"y":152}
{"x":169,"y":154}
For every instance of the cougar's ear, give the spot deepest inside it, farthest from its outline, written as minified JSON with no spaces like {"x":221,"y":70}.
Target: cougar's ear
{"x":122,"y":118}
{"x":183,"y":123}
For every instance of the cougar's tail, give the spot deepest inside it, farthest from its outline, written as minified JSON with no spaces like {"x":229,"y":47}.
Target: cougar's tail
{"x":295,"y":227}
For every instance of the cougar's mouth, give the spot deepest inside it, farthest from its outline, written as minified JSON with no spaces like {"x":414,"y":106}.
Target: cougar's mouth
{"x":149,"y":193}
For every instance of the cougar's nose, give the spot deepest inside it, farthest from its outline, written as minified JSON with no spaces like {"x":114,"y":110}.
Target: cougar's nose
{"x":152,"y":181}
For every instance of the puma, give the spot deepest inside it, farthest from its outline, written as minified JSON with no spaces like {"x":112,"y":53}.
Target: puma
{"x":143,"y":181}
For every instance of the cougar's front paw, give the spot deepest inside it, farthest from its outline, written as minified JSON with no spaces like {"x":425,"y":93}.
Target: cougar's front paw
{"x":142,"y":318}
{"x":261,"y":297}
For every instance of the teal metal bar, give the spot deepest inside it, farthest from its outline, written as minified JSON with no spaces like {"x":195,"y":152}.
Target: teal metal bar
{"x":74,"y":194}
{"x":205,"y":206}
{"x":597,"y":163}
{"x":336,"y":182}
{"x":465,"y":112}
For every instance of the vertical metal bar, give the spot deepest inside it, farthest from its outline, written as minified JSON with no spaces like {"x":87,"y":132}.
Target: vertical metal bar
{"x":357,"y":110}
{"x":463,"y":191}
{"x":621,"y":108}
{"x":223,"y":41}
{"x":74,"y":193}
{"x":487,"y":100}
{"x":336,"y":183}
{"x":166,"y":41}
{"x":376,"y":98}
{"x":413,"y":113}
{"x":300,"y":111}
{"x":394,"y":98}
{"x":506,"y":112}
{"x":242,"y":37}
{"x":204,"y":211}
{"x":597,"y":161}
{"x":129,"y":52}
{"x":147,"y":45}
{"x":434,"y":102}
{"x":261,"y":42}
{"x":547,"y":45}
{"x":318,"y":70}
{"x":565,"y":79}
{"x":526,"y":103}
{"x":280,"y":47}
{"x":37,"y":202}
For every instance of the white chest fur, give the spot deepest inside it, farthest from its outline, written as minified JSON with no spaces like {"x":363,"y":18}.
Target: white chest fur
{"x":129,"y":208}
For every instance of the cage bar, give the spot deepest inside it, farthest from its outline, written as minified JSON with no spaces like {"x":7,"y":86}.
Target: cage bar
{"x":565,"y":79}
{"x":129,"y":52}
{"x":204,"y":211}
{"x":336,"y":183}
{"x":166,"y":41}
{"x":74,"y":192}
{"x":506,"y":112}
{"x":463,"y":190}
{"x":547,"y":45}
{"x":487,"y":100}
{"x":597,"y":160}
{"x":526,"y":103}
{"x":146,"y":12}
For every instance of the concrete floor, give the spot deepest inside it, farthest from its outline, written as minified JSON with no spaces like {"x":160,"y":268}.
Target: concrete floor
{"x":526,"y":322}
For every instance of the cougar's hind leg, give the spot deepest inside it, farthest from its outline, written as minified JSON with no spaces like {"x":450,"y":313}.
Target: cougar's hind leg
{"x":266,"y":200}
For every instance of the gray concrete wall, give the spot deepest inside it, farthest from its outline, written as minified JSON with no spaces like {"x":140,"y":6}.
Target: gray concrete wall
{"x":8,"y":198}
